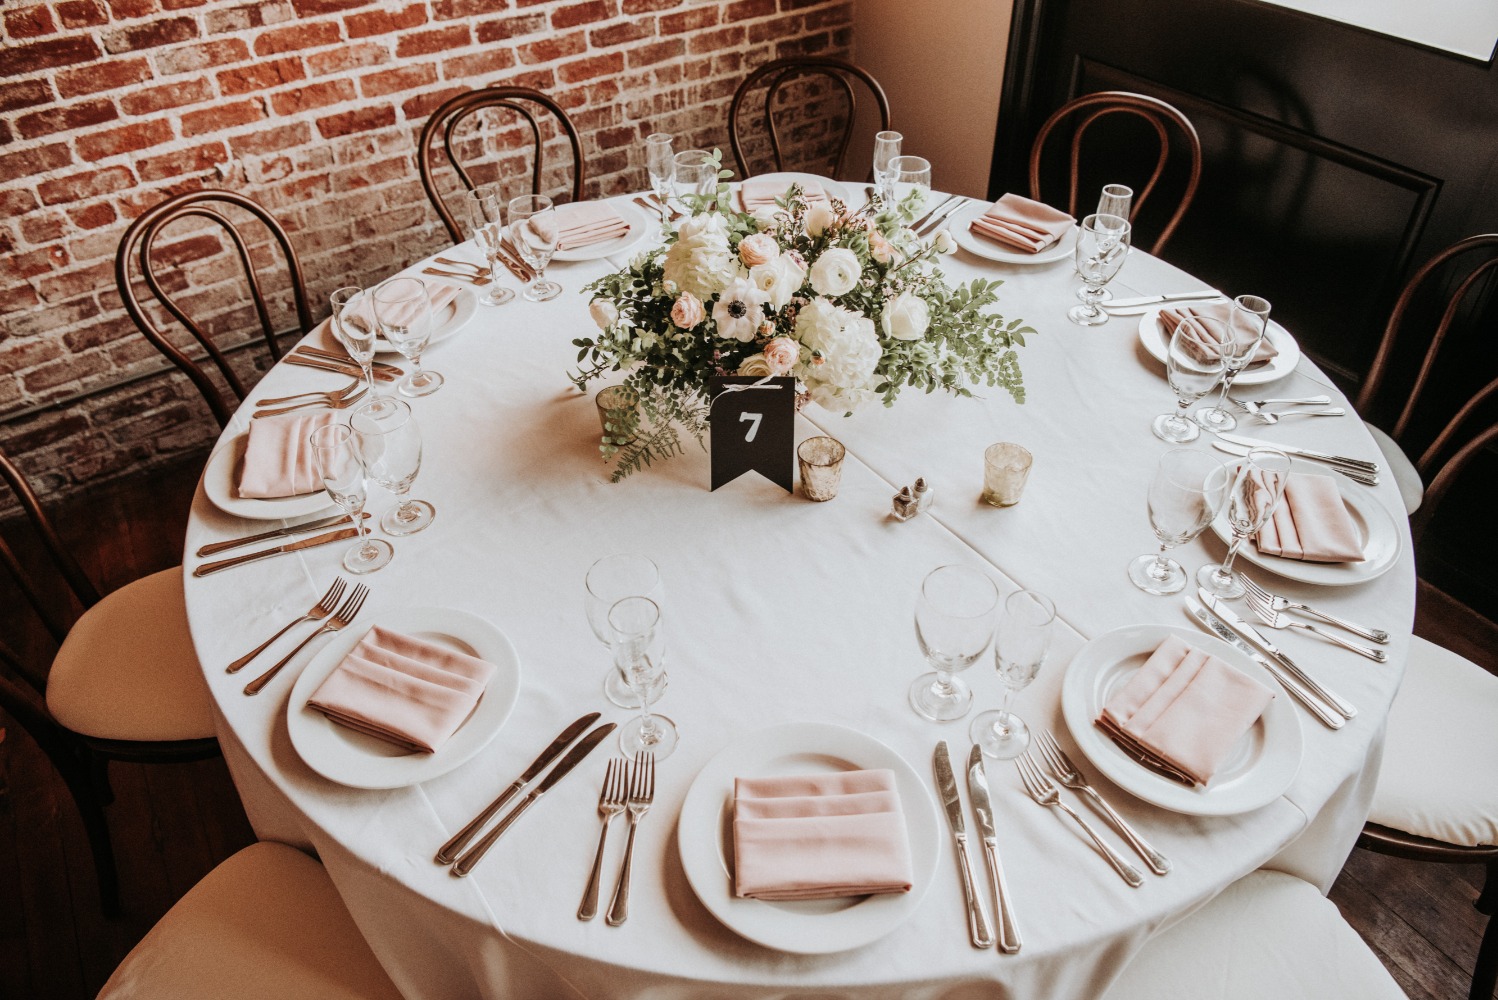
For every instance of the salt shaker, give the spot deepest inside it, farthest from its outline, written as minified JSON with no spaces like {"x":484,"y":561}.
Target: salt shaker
{"x":904,"y":505}
{"x":923,"y":496}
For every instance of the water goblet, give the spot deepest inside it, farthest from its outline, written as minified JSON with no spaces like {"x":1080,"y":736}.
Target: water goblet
{"x":1191,"y":374}
{"x":343,"y":476}
{"x":661,"y":168}
{"x":695,"y":173}
{"x":390,"y":447}
{"x":886,"y":148}
{"x":609,"y":581}
{"x":1020,"y":644}
{"x":1248,"y":324}
{"x":353,"y":328}
{"x":485,"y":209}
{"x":953,"y":624}
{"x":907,"y":174}
{"x":1253,"y":491}
{"x":1184,"y":496}
{"x":1102,"y":245}
{"x":1116,"y":199}
{"x":405,"y":314}
{"x":639,"y":647}
{"x":533,"y":228}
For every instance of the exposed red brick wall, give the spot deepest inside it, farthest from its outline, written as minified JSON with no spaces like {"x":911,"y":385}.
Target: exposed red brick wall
{"x":313,"y":108}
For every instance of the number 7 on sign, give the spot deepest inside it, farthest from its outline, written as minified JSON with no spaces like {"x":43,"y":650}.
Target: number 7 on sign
{"x":754,"y":419}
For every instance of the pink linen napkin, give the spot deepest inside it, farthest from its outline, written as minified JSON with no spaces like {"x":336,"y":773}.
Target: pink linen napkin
{"x":403,"y":690}
{"x":819,"y":836}
{"x":589,"y":222}
{"x":1208,"y":330}
{"x":1311,"y":523}
{"x":1186,"y":707}
{"x":1022,"y":224}
{"x":360,"y":310}
{"x":278,"y":459}
{"x":761,"y":192}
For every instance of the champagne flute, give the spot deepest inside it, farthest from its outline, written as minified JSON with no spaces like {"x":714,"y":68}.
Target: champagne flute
{"x":533,"y":228}
{"x":405,"y":314}
{"x":1102,"y":245}
{"x":355,"y":330}
{"x":1191,"y":375}
{"x":342,"y":471}
{"x":886,"y":148}
{"x":485,"y":209}
{"x":1185,"y":494}
{"x":661,"y":168}
{"x":390,"y":447}
{"x":910,"y":173}
{"x":1116,"y":199}
{"x":1248,"y":324}
{"x":1020,"y":645}
{"x":610,"y":580}
{"x":639,"y":647}
{"x":694,"y":173}
{"x":1252,"y":494}
{"x":953,"y":624}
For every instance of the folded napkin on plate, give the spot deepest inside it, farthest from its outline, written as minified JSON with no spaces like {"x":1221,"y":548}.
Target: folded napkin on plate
{"x":1310,"y":523}
{"x":360,"y":309}
{"x":1207,"y":331}
{"x":1022,"y":224}
{"x":819,"y":836}
{"x":1185,"y":707}
{"x":589,"y":222}
{"x":403,"y":690}
{"x":761,"y":192}
{"x":278,"y":459}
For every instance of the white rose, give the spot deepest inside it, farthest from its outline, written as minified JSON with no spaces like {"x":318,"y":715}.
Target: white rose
{"x":944,"y":242}
{"x":737,"y":311}
{"x":818,"y":218}
{"x":604,"y":313}
{"x":836,"y":272}
{"x":766,"y":216}
{"x":778,"y":280}
{"x":756,"y":365}
{"x":700,"y":260}
{"x":906,"y":317}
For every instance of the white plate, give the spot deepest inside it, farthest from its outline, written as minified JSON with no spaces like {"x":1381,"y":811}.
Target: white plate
{"x":1152,"y":336}
{"x":1376,"y":529}
{"x":351,"y":758}
{"x":958,"y":223}
{"x":1258,"y":770}
{"x":788,"y":177}
{"x":221,"y":484}
{"x":449,"y":319}
{"x":704,"y":835}
{"x":639,"y":228}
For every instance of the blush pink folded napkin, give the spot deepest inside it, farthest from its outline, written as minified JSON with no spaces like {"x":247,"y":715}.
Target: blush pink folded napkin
{"x":1186,"y":707}
{"x":1207,"y":331}
{"x":360,"y":309}
{"x":1311,"y":523}
{"x":1022,"y":224}
{"x":761,"y":192}
{"x":585,"y":223}
{"x":278,"y":459}
{"x":403,"y":690}
{"x":819,"y":836}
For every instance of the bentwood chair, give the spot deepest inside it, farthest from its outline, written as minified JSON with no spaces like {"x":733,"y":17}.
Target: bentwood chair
{"x":124,"y":684}
{"x":524,"y":110}
{"x":1157,"y":117}
{"x":138,"y":251}
{"x":809,"y":78}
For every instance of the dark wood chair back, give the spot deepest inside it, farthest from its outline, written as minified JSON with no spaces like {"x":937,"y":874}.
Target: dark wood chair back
{"x":136,"y":251}
{"x":776,"y":75}
{"x":83,"y":589}
{"x":522,"y":102}
{"x":1159,"y":116}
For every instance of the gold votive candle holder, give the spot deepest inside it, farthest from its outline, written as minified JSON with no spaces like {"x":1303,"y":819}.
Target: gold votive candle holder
{"x":1006,"y":466}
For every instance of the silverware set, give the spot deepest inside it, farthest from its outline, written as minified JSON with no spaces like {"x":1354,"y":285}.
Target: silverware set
{"x":928,"y":223}
{"x":313,"y":357}
{"x":1046,"y":794}
{"x":338,"y":399}
{"x":1267,"y":615}
{"x":478,"y":275}
{"x":1141,"y":304}
{"x":1068,"y":774}
{"x":336,"y":535}
{"x":1357,"y":469}
{"x":338,"y":620}
{"x":641,"y":795}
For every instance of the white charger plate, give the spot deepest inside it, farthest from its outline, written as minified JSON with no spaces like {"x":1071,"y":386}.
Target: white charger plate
{"x":832,"y":188}
{"x":704,"y":836}
{"x":1256,"y":772}
{"x":352,"y":758}
{"x":221,"y":484}
{"x":1152,"y":336}
{"x":959,"y":222}
{"x":639,"y":228}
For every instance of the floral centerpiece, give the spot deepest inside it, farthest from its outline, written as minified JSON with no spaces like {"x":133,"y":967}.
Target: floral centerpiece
{"x":849,"y":303}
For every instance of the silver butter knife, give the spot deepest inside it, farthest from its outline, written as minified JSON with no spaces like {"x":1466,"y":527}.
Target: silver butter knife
{"x":940,"y":216}
{"x":306,"y":543}
{"x":946,"y":786}
{"x":1320,"y":456}
{"x":918,"y":223}
{"x":295,"y":529}
{"x":1154,"y":300}
{"x":1355,"y":474}
{"x":977,"y":787}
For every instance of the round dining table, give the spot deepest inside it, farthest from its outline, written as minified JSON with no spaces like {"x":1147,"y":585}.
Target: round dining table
{"x":777,"y":610}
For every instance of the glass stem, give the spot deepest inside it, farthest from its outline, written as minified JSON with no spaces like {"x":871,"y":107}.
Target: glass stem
{"x":1225,"y":571}
{"x":1227,"y":383}
{"x":369,"y":379}
{"x":1159,"y":570}
{"x":647,"y":724}
{"x":943,"y":683}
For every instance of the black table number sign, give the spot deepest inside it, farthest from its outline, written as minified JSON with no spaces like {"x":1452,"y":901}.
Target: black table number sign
{"x":753,"y":429}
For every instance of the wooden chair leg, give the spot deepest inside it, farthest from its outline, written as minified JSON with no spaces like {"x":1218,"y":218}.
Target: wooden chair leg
{"x":91,"y":810}
{"x":1485,"y":975}
{"x":99,"y":772}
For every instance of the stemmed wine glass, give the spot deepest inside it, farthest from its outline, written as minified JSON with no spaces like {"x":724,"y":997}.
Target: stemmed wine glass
{"x":694,"y":172}
{"x":1191,"y":375}
{"x":910,"y":173}
{"x":342,"y":470}
{"x":1252,"y":494}
{"x":639,"y":646}
{"x":390,"y":446}
{"x":953,"y":624}
{"x":1184,"y":496}
{"x":533,"y":229}
{"x":1102,"y":245}
{"x":405,"y":314}
{"x":661,"y":168}
{"x":1020,"y":645}
{"x":1248,"y":323}
{"x":610,"y":580}
{"x":485,"y":207}
{"x":1116,"y":199}
{"x":357,"y":335}
{"x":886,"y":149}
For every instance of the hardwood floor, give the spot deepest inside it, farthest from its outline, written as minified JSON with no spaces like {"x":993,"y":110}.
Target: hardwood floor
{"x":172,"y":823}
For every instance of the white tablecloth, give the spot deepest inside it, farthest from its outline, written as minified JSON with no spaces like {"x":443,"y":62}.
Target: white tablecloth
{"x":778,"y":610}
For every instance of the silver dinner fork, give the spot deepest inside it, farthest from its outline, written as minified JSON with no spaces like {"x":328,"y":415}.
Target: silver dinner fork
{"x":318,"y":612}
{"x":353,"y":387}
{"x":1278,"y":603}
{"x":1066,"y":772}
{"x":1278,"y":620}
{"x":341,"y":618}
{"x":331,"y":402}
{"x":1045,"y":793}
{"x":610,"y":804}
{"x":641,"y":794}
{"x":1253,"y":405}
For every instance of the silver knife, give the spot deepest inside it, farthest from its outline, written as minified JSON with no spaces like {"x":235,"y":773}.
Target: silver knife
{"x":938,"y":217}
{"x":918,"y":223}
{"x":450,"y":850}
{"x":1320,"y":456}
{"x":977,"y":787}
{"x":476,"y":853}
{"x":295,"y":529}
{"x":1357,"y":475}
{"x":946,"y":786}
{"x":1154,"y":300}
{"x":306,"y":543}
{"x":350,"y":369}
{"x":1247,"y":632}
{"x":1219,"y":628}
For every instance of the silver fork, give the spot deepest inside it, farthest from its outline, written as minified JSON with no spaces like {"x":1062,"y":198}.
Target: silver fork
{"x":1278,"y":620}
{"x":340,"y":619}
{"x":477,"y":279}
{"x":1045,"y":793}
{"x":354,"y":386}
{"x":610,"y":804}
{"x":1066,"y":772}
{"x":332,"y":402}
{"x":641,"y":794}
{"x":1278,"y":603}
{"x":1266,"y":417}
{"x":319,"y":611}
{"x":1252,"y":405}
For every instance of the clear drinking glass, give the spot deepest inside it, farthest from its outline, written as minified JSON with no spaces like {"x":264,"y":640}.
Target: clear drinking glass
{"x":356,"y":333}
{"x":485,"y":209}
{"x":1020,"y":644}
{"x":343,"y":476}
{"x":1253,"y":491}
{"x":1191,"y":377}
{"x":695,"y":173}
{"x":1184,"y":496}
{"x":533,"y":230}
{"x":405,"y":314}
{"x":609,"y":581}
{"x":1116,"y":199}
{"x":1102,"y":245}
{"x":639,"y":646}
{"x":1248,"y":323}
{"x":661,"y":168}
{"x":953,"y":624}
{"x":910,"y":173}
{"x":390,"y":446}
{"x":886,"y":148}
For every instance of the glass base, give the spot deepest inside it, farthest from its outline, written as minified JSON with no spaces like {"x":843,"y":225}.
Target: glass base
{"x":368,"y":556}
{"x":1224,"y":585}
{"x":1175,"y":428}
{"x":1002,"y":735}
{"x":634,"y":740}
{"x":1087,"y":315}
{"x":930,"y":703}
{"x":420,"y":384}
{"x":1145,"y":574}
{"x":422,"y":514}
{"x":498,"y":296}
{"x":542,"y":291}
{"x":379,"y":406}
{"x":617,"y":691}
{"x":1215,"y":419}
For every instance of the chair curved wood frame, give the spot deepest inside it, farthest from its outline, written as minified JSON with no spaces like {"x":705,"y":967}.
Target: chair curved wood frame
{"x":778,"y":73}
{"x":138,"y":243}
{"x":1159,"y":114}
{"x":446,"y":119}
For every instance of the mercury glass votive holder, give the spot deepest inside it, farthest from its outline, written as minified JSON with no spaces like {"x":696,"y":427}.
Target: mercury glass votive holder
{"x":821,"y":461}
{"x":1005,"y":468}
{"x":615,"y":405}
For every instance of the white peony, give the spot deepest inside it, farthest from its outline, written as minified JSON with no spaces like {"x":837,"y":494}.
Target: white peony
{"x":604,"y":313}
{"x":737,"y":311}
{"x":700,"y":261}
{"x":849,"y":351}
{"x":778,"y":280}
{"x":818,"y":218}
{"x":836,"y":272}
{"x":906,"y":317}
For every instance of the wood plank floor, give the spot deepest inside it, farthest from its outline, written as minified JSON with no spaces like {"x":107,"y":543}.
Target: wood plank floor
{"x":173,"y":822}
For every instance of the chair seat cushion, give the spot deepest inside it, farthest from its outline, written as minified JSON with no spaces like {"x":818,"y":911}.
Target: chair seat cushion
{"x":1411,"y":488}
{"x":1437,"y":779}
{"x":1266,"y":935}
{"x":127,"y":669}
{"x":267,"y":923}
